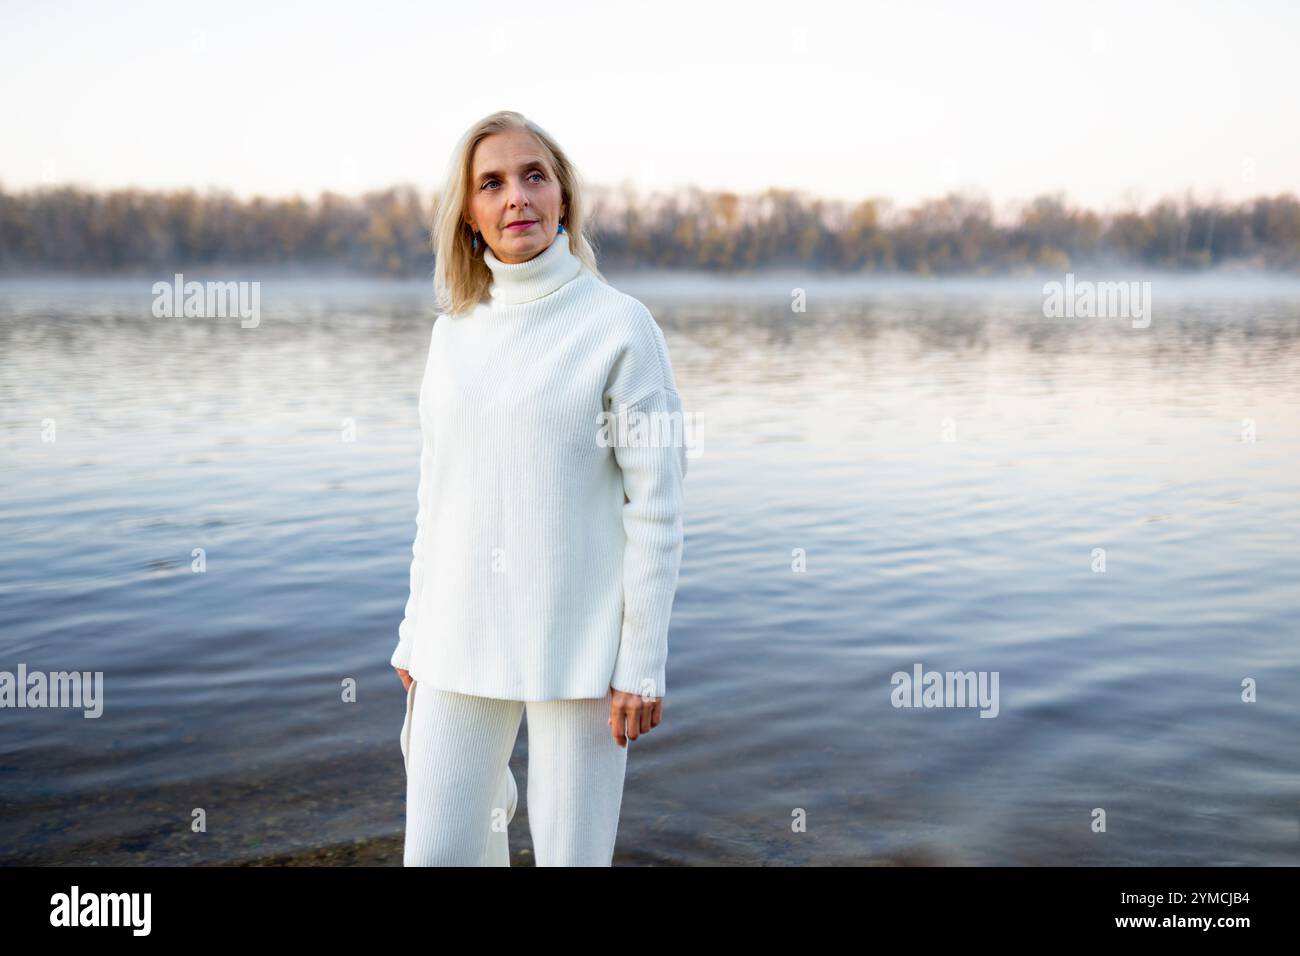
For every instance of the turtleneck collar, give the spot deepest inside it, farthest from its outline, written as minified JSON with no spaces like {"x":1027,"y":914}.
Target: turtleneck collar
{"x":513,"y":283}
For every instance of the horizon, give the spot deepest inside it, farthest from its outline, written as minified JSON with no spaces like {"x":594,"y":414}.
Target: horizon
{"x":1003,"y":212}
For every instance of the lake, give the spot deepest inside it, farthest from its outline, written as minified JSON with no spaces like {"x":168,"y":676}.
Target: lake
{"x":907,"y":476}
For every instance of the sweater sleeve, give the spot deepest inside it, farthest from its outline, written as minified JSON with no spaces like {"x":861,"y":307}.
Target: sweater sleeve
{"x":653,"y":472}
{"x":653,"y":478}
{"x":406,"y":630}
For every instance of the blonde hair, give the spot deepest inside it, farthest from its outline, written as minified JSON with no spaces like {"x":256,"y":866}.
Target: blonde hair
{"x":461,"y":278}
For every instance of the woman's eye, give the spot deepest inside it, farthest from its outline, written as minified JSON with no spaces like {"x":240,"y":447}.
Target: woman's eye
{"x":530,"y":175}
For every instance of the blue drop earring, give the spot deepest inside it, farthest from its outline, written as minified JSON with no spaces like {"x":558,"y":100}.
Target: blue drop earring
{"x":476,"y":242}
{"x":561,"y":229}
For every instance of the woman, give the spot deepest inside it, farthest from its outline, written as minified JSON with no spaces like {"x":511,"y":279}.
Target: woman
{"x":547,"y":540}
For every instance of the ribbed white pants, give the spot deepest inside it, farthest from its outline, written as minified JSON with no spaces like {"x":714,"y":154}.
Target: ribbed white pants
{"x":459,"y":786}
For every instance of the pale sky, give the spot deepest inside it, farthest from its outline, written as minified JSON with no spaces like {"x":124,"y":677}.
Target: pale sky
{"x":1109,"y":102}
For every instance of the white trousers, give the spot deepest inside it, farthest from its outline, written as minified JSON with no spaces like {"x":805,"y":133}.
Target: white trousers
{"x":460,"y":793}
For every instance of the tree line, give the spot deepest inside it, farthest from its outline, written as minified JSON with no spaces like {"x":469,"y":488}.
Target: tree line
{"x":386,"y":232}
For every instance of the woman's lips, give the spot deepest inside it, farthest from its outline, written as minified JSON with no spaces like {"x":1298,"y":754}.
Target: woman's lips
{"x":521,"y":226}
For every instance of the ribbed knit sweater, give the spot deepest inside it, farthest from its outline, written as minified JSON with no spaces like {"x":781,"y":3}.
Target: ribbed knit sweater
{"x":545,"y":560}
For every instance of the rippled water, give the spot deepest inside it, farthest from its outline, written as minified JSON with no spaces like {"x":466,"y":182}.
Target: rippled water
{"x":945,"y":459}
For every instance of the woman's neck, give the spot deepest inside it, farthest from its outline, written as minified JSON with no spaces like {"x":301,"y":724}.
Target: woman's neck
{"x":514,"y":283}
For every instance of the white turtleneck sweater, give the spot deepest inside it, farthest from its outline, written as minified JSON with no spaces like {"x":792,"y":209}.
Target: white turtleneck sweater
{"x":545,"y":562}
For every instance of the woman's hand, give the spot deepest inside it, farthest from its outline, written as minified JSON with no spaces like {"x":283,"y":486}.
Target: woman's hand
{"x":635,"y":713}
{"x":405,"y":676}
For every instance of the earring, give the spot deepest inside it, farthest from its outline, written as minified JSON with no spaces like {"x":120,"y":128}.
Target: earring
{"x":561,"y":229}
{"x":476,"y":242}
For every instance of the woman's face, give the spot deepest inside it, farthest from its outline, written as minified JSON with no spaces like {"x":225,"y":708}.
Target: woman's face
{"x":512,"y":182}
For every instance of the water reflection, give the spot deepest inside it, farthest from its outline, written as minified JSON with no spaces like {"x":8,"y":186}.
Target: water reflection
{"x":946,"y":463}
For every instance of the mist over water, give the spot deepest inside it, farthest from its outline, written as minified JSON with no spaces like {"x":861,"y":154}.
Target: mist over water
{"x":946,"y":458}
